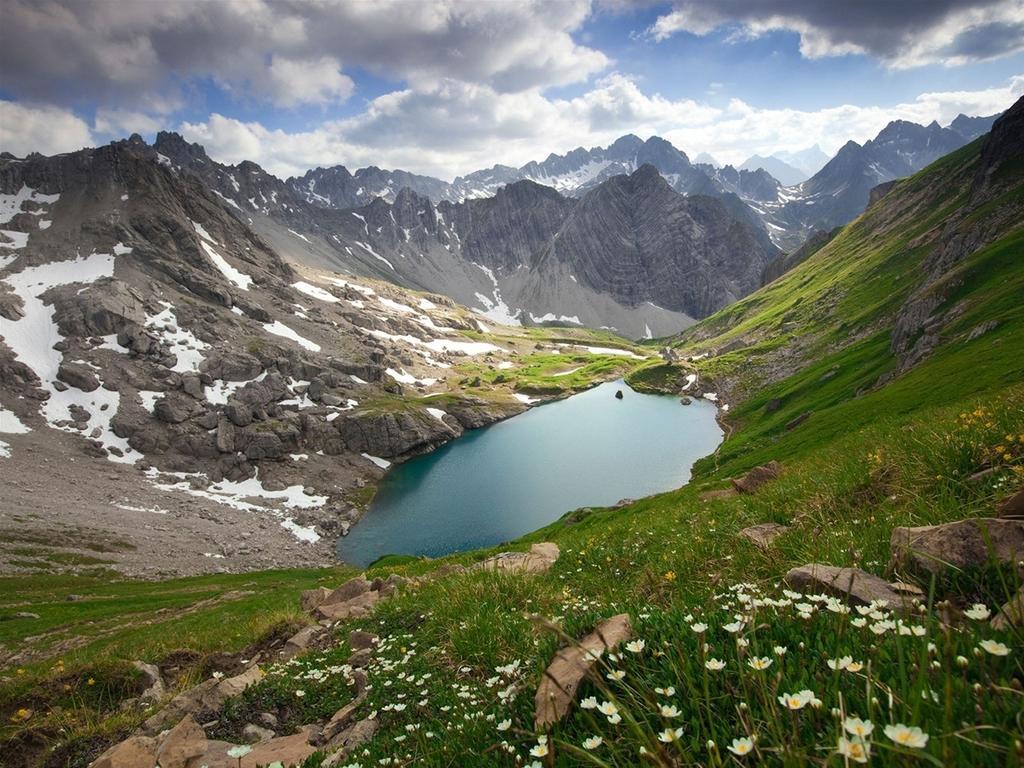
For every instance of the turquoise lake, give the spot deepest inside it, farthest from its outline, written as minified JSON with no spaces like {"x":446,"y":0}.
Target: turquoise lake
{"x":500,"y":482}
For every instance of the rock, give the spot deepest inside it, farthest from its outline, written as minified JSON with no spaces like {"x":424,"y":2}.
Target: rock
{"x":184,"y":742}
{"x":352,"y":588}
{"x":764,"y":534}
{"x":209,"y":695}
{"x":192,"y":385}
{"x":289,"y":751}
{"x":253,"y":733}
{"x":225,"y":436}
{"x":1011,"y":506}
{"x":618,"y":394}
{"x":857,"y":586}
{"x":570,"y":665}
{"x":133,"y":752}
{"x":26,"y":615}
{"x":970,"y":543}
{"x":1011,"y":614}
{"x":175,"y":407}
{"x":312,"y":598}
{"x":538,"y":560}
{"x":757,"y":477}
{"x":350,"y":740}
{"x":339,"y":721}
{"x":686,"y":400}
{"x":302,"y":640}
{"x":331,"y":399}
{"x":360,"y":659}
{"x":155,"y":689}
{"x":907,"y":589}
{"x":78,"y":375}
{"x":238,"y":413}
{"x":358,"y":640}
{"x":794,"y":423}
{"x":353,"y":608}
{"x":267,"y":720}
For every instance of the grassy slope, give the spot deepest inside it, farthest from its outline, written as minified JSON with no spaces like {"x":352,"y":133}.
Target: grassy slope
{"x":857,"y":467}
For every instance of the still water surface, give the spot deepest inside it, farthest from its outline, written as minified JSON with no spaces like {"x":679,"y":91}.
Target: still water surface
{"x":505,"y":480}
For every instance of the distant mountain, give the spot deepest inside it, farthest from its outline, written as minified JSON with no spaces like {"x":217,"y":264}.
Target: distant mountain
{"x":705,"y":159}
{"x":809,"y":161}
{"x":972,"y":127}
{"x":840,"y":191}
{"x":520,"y":255}
{"x":786,"y":174}
{"x":335,"y":187}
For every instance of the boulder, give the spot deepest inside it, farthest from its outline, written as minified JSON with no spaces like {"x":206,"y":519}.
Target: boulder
{"x":254,"y":733}
{"x":970,"y":543}
{"x":1011,"y":614}
{"x":155,"y":689}
{"x":339,"y":721}
{"x":208,"y":696}
{"x":175,"y":407}
{"x":312,"y":598}
{"x":570,"y":666}
{"x":358,"y":640}
{"x":1012,"y":506}
{"x":353,"y":608}
{"x":238,"y":413}
{"x":351,"y":588}
{"x":853,"y":584}
{"x":539,"y":559}
{"x":302,"y":640}
{"x":184,"y":742}
{"x":225,"y":436}
{"x":289,"y":751}
{"x":763,"y":534}
{"x":78,"y":375}
{"x":133,"y":752}
{"x":192,"y":385}
{"x":349,"y":740}
{"x":757,"y":477}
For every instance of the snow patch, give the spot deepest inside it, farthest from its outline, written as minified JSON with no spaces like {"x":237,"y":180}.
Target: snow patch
{"x":235,"y":276}
{"x":314,"y":291}
{"x":437,"y":413}
{"x":280,"y":329}
{"x":382,"y":463}
{"x":10,"y":424}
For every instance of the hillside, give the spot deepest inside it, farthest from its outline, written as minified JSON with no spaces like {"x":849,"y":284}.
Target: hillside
{"x":883,"y":373}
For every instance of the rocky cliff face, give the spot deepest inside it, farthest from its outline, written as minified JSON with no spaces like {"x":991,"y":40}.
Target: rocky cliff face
{"x":639,"y":240}
{"x":152,"y":342}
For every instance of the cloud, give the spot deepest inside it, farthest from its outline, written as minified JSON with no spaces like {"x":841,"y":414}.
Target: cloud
{"x":145,"y":56}
{"x":49,"y":130}
{"x":118,"y":123}
{"x":292,"y":82}
{"x":457,"y":128}
{"x":902,"y":34}
{"x":453,"y":128}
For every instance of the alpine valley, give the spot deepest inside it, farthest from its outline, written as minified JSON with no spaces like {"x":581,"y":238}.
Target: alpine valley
{"x":208,"y":372}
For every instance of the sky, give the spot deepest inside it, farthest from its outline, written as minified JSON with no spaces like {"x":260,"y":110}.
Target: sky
{"x":446,"y":87}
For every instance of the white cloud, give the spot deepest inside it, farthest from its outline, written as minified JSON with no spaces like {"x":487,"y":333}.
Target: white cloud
{"x":148,"y":55}
{"x":900,"y":34}
{"x":291,"y":82}
{"x":457,"y":127}
{"x":49,"y":130}
{"x":118,"y":123}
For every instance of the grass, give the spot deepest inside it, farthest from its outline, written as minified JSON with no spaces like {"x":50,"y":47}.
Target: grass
{"x":460,"y":655}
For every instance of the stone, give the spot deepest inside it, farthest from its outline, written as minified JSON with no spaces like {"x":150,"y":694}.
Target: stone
{"x":289,"y":751}
{"x":254,"y":733}
{"x":225,"y":436}
{"x":539,"y":559}
{"x":78,"y":375}
{"x":352,"y":588}
{"x":267,"y":720}
{"x":174,"y":408}
{"x":571,"y":665}
{"x":1011,"y":506}
{"x":856,"y":586}
{"x":763,"y":534}
{"x":353,"y":608}
{"x":618,"y":394}
{"x":312,"y":598}
{"x":794,"y":423}
{"x":339,"y":721}
{"x":208,"y":695}
{"x":1011,"y":614}
{"x":349,"y":740}
{"x":238,"y":413}
{"x":757,"y":477}
{"x":360,"y":659}
{"x":301,"y":641}
{"x":358,"y":640}
{"x":155,"y":689}
{"x":133,"y":752}
{"x":970,"y":543}
{"x":192,"y":385}
{"x":185,"y":741}
{"x":907,"y":589}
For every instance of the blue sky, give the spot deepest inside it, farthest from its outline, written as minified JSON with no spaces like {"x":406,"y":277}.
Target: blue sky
{"x":450,"y":86}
